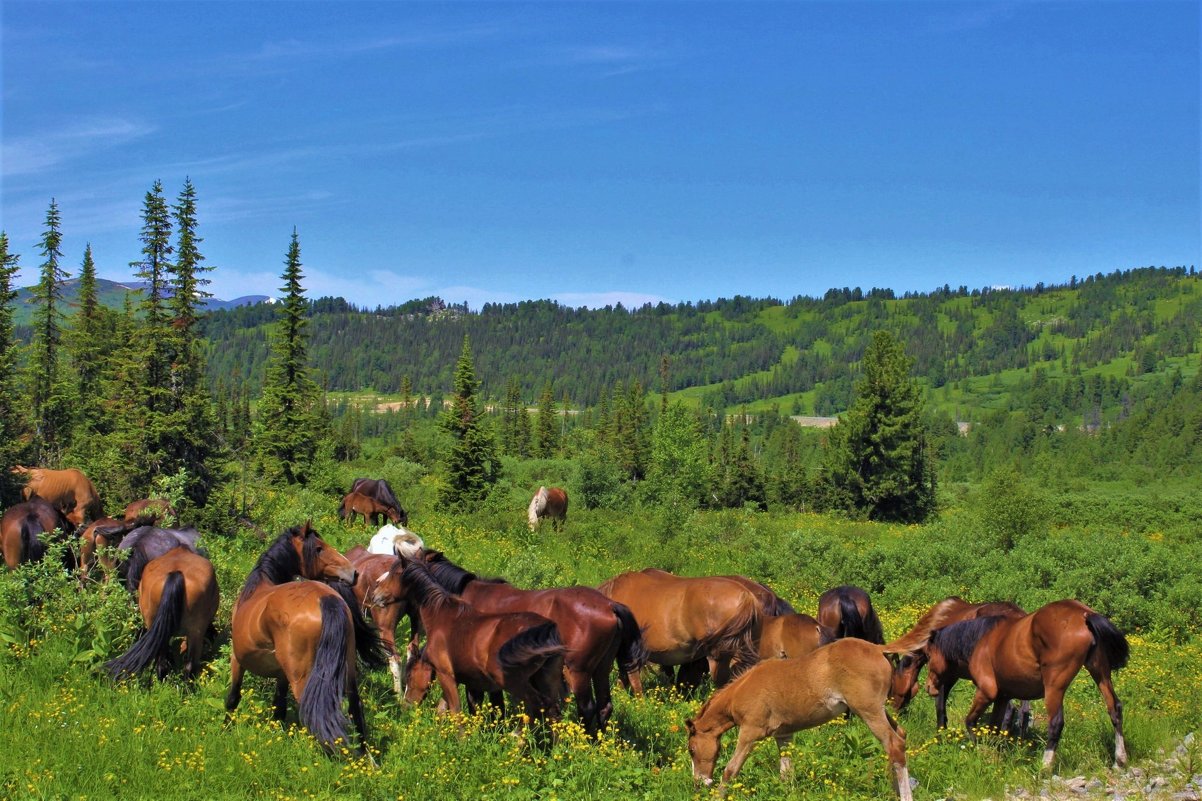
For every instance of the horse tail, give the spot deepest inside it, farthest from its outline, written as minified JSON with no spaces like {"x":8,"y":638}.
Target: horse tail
{"x":32,"y":547}
{"x":154,"y":641}
{"x":321,"y":703}
{"x":853,"y":624}
{"x":873,"y":631}
{"x":632,"y":649}
{"x":917,"y":638}
{"x":779,"y":606}
{"x":535,"y":658}
{"x":739,"y":637}
{"x":1108,"y":639}
{"x":367,"y":638}
{"x":342,"y":509}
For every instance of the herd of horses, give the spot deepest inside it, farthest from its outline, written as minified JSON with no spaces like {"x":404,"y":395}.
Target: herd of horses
{"x":302,"y":618}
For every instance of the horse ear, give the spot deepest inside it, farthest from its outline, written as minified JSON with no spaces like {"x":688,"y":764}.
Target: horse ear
{"x":688,"y":724}
{"x":307,"y":529}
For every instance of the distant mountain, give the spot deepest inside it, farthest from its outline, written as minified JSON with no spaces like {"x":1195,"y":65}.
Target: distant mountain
{"x":112,"y":294}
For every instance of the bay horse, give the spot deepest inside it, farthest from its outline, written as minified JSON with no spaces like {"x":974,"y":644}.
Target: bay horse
{"x":176,"y":592}
{"x":847,"y":610}
{"x":367,"y":507}
{"x":549,"y":503}
{"x":301,"y":634}
{"x":596,"y":631}
{"x":1038,"y":656}
{"x":948,"y":653}
{"x":518,"y":652}
{"x":69,"y":491}
{"x":20,"y":527}
{"x":93,"y":539}
{"x":154,"y":510}
{"x":385,"y":610}
{"x":778,"y":697}
{"x":688,"y":619}
{"x":378,"y":488}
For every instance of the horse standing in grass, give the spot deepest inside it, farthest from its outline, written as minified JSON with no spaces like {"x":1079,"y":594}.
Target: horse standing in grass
{"x":176,"y":592}
{"x":385,"y":609}
{"x":153,"y":510}
{"x":848,"y":611}
{"x":378,"y":489}
{"x":69,"y":491}
{"x":549,"y":503}
{"x":20,"y":527}
{"x":367,"y":507}
{"x":93,"y":539}
{"x":791,"y":636}
{"x":300,"y":633}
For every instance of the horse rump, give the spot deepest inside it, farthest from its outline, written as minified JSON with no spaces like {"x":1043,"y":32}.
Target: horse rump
{"x":1109,"y":640}
{"x":853,"y":624}
{"x":321,"y":703}
{"x":153,"y":643}
{"x":739,"y":638}
{"x":632,"y":650}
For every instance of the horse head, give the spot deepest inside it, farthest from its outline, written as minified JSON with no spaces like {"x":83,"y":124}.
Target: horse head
{"x":320,"y":560}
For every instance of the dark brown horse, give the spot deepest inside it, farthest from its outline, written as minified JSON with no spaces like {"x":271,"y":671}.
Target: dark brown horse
{"x":596,"y":631}
{"x":68,"y":490}
{"x":847,"y":611}
{"x":94,"y":537}
{"x":549,"y":503}
{"x":177,"y":592}
{"x":300,"y":633}
{"x":153,"y":510}
{"x":386,"y":609}
{"x":518,"y":652}
{"x":367,"y":507}
{"x":687,"y":619}
{"x":1038,"y":656}
{"x":378,"y":488}
{"x":21,"y":527}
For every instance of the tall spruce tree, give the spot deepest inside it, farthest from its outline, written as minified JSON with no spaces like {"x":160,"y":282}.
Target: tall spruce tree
{"x":48,"y":404}
{"x":546,"y":429}
{"x":289,"y":424}
{"x":155,"y":335}
{"x":12,"y":428}
{"x":89,"y":344}
{"x":472,"y":466}
{"x":877,"y":463}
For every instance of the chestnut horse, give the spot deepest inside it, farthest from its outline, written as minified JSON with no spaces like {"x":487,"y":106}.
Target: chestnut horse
{"x":595,"y":630}
{"x":549,"y":503}
{"x":93,"y":538}
{"x":176,"y":592}
{"x":791,"y":636}
{"x":19,"y":529}
{"x":518,"y":652}
{"x":1038,"y":656}
{"x":378,"y":488}
{"x":68,"y":490}
{"x":848,"y":612}
{"x":948,"y":653}
{"x":154,"y":510}
{"x":687,"y":619}
{"x":385,"y":610}
{"x":300,"y":633}
{"x":371,"y":510}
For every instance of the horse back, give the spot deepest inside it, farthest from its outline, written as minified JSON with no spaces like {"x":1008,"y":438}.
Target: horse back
{"x":585,"y":618}
{"x":279,"y":618}
{"x":200,"y":582}
{"x":789,"y":636}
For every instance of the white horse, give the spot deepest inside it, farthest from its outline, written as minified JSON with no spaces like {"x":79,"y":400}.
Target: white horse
{"x":395,"y":541}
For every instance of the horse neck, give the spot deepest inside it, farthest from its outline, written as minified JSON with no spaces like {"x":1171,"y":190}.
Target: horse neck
{"x":279,"y":564}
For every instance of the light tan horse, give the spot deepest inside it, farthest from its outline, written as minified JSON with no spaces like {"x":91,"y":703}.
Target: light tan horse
{"x":791,"y":636}
{"x":549,"y":503}
{"x":688,"y":619}
{"x":68,"y":490}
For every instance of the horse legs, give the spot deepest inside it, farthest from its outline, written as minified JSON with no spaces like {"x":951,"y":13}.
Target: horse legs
{"x":1053,"y":698}
{"x":602,"y":697}
{"x":581,"y":687}
{"x":749,"y":735}
{"x":786,"y":764}
{"x":719,"y":668}
{"x":632,"y":680}
{"x":691,"y":674}
{"x":893,"y":740}
{"x":280,"y":700}
{"x":356,"y":709}
{"x":1115,"y":707}
{"x":943,"y":690}
{"x":234,"y":696}
{"x":986,"y":692}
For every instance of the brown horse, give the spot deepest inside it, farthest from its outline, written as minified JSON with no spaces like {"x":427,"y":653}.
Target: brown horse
{"x":153,"y":510}
{"x":779,"y":697}
{"x":947,"y":652}
{"x":19,"y":529}
{"x":300,"y":633}
{"x":1038,"y":656}
{"x":95,"y":536}
{"x":550,"y":503}
{"x":177,"y":592}
{"x":595,"y":630}
{"x":687,"y":619}
{"x":791,"y":636}
{"x":371,"y":510}
{"x":518,"y":652}
{"x":847,"y":611}
{"x":68,"y":490}
{"x":378,"y":488}
{"x":385,"y":609}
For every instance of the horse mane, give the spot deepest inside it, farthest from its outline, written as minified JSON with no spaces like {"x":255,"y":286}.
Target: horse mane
{"x":279,"y":563}
{"x":424,"y":590}
{"x":957,"y":641}
{"x":453,"y":578}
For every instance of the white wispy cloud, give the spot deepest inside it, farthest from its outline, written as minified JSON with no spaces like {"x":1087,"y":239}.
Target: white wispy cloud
{"x":38,"y":152}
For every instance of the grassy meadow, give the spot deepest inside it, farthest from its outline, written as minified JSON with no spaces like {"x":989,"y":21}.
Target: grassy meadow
{"x":71,"y":734}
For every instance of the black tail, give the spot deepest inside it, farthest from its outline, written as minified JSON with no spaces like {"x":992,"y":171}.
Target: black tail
{"x":535,"y":658}
{"x":32,"y":548}
{"x":852,"y":624}
{"x":632,"y":650}
{"x":153,"y":643}
{"x":537,"y":643}
{"x":321,"y":704}
{"x":367,"y":639}
{"x":1109,"y":639}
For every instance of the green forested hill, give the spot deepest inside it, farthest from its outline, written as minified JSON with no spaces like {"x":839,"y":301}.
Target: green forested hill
{"x":1077,"y":352}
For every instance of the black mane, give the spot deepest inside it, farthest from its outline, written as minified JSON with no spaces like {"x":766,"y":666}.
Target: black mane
{"x":450,"y":576}
{"x":279,"y":563}
{"x":423,"y":589}
{"x":958,"y":640}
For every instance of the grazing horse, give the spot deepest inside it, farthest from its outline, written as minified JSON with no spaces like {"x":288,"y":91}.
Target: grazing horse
{"x":596,"y":631}
{"x":548,"y":503}
{"x":143,"y":544}
{"x":154,"y":510}
{"x":688,"y":619}
{"x":393,"y":541}
{"x":791,"y":636}
{"x":301,"y":634}
{"x":367,"y":507}
{"x":92,"y":539}
{"x":19,"y":529}
{"x":848,"y":611}
{"x":1038,"y":656}
{"x":378,"y":488}
{"x":948,"y":654}
{"x":385,"y":609}
{"x":518,"y":652}
{"x":68,"y":490}
{"x":176,"y":592}
{"x":779,"y":697}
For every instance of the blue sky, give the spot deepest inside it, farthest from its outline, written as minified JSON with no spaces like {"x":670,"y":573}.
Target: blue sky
{"x":597,"y":152}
